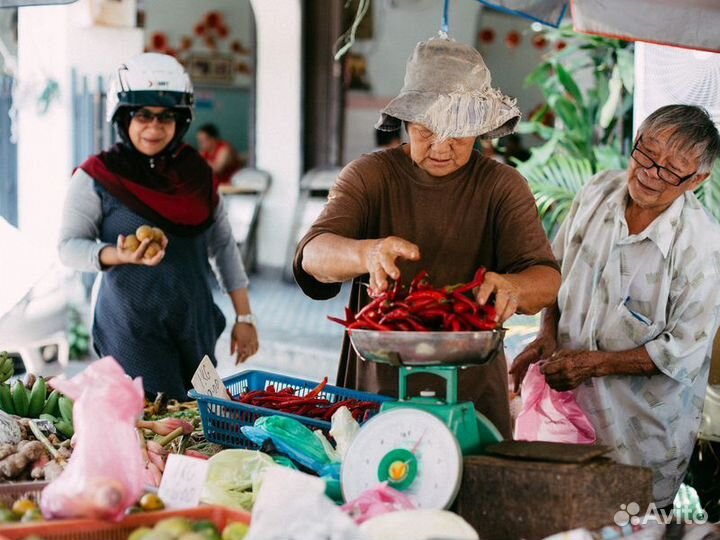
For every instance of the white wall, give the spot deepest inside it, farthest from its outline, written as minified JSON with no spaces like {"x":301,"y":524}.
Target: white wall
{"x":52,"y":41}
{"x":509,"y":67}
{"x":177,"y":18}
{"x":278,"y":119}
{"x":396,"y":32}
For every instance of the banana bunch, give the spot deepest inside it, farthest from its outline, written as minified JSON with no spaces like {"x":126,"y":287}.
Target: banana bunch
{"x":36,"y":403}
{"x":7,"y":367}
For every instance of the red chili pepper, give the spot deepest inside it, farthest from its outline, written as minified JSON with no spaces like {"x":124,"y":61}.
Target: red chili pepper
{"x":339,"y":321}
{"x":247,"y":396}
{"x":371,"y":306}
{"x":431,"y":294}
{"x":420,"y":305}
{"x":476,"y":282}
{"x":416,"y":325}
{"x":395,"y":315}
{"x":464,"y":300}
{"x":420,"y":282}
{"x":477,"y":322}
{"x":433,"y":313}
{"x":319,"y":388}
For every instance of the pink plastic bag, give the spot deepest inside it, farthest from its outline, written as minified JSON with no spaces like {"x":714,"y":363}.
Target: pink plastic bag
{"x":549,"y":415}
{"x":376,"y":502}
{"x":104,"y":476}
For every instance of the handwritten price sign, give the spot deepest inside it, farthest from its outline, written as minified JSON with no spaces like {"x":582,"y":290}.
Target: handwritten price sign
{"x":183,"y":481}
{"x":207,"y":381}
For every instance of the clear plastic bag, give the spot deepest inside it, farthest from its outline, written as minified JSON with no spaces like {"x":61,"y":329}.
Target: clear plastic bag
{"x":234,"y":478}
{"x":104,"y":476}
{"x":549,"y":415}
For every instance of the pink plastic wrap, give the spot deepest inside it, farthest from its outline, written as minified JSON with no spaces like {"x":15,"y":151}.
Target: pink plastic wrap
{"x":549,"y":415}
{"x":104,"y":476}
{"x":376,"y":502}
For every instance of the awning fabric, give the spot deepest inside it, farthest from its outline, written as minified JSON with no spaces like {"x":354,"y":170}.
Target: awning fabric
{"x":693,"y":24}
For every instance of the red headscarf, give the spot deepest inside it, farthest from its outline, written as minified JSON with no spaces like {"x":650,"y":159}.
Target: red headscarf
{"x":175,"y":192}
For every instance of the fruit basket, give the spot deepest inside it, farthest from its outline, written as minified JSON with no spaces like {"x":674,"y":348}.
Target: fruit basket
{"x":222,"y":419}
{"x":87,"y":529}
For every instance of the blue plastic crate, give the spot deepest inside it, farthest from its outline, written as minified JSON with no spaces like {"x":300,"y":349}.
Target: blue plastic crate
{"x":222,"y":419}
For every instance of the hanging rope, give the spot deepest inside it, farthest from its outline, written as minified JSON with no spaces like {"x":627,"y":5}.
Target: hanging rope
{"x":348,"y":38}
{"x":444,"y":23}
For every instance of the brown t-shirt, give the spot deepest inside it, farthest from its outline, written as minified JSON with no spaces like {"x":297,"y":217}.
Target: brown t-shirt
{"x":481,"y":215}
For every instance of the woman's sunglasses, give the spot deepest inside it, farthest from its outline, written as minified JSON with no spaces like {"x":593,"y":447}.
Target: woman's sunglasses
{"x":144,"y":116}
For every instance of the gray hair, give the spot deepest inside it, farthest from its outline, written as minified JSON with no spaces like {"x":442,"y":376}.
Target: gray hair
{"x":690,"y":128}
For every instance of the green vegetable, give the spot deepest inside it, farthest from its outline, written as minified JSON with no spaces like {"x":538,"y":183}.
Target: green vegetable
{"x":20,"y":398}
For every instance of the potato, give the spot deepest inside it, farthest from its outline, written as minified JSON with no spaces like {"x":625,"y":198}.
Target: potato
{"x":153,"y":249}
{"x":131,"y":243}
{"x":143,"y":232}
{"x":158,"y":235}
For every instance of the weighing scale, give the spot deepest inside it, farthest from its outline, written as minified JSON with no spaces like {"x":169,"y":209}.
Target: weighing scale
{"x":416,"y":444}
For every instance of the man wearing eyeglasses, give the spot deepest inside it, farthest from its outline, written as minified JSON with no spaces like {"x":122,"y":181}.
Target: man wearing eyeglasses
{"x":632,"y":329}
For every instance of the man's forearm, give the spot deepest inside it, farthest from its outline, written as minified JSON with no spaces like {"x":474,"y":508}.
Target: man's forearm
{"x":538,"y":287}
{"x":632,"y":362}
{"x":330,"y":258}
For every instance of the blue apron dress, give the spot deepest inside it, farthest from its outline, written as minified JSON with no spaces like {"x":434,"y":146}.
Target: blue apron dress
{"x":157,"y":322}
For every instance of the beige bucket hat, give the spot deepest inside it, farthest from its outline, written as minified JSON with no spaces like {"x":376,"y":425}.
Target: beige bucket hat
{"x":447,"y":89}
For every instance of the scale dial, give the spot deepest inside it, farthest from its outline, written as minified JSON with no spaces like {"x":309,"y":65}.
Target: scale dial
{"x":412,"y":450}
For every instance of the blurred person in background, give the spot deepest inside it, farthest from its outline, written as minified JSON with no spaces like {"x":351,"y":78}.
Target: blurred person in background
{"x":219,"y":154}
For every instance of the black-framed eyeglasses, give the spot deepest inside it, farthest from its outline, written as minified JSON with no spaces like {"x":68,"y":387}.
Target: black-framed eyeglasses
{"x":145,"y":116}
{"x":666,"y":175}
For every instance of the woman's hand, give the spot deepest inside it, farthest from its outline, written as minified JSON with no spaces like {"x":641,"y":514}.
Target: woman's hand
{"x":380,"y":260}
{"x":243,"y":341}
{"x":138,"y":256}
{"x":507,"y":295}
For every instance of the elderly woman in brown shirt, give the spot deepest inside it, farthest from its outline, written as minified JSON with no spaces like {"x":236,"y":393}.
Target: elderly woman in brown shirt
{"x":435,"y":204}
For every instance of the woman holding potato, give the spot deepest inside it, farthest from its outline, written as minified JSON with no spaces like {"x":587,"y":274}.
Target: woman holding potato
{"x":146,"y":214}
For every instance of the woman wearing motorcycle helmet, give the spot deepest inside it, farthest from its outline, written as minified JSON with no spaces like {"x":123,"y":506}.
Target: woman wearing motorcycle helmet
{"x":154,"y":312}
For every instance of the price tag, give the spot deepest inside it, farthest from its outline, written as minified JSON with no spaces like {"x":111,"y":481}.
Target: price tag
{"x":207,"y":381}
{"x":183,"y":481}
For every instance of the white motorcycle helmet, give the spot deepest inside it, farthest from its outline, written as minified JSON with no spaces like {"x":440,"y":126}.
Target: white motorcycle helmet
{"x":150,"y":80}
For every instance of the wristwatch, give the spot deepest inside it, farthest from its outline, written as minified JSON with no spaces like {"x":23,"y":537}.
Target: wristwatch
{"x":246,"y":319}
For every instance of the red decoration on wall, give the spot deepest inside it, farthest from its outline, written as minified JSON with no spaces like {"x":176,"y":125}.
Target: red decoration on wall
{"x":539,"y":41}
{"x":223,"y":31}
{"x":487,"y":35}
{"x":560,"y":45}
{"x":513,"y":39}
{"x":199,"y":29}
{"x":213,"y":19}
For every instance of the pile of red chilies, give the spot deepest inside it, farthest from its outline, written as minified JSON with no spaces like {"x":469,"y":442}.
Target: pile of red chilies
{"x":422,"y":308}
{"x":309,"y":405}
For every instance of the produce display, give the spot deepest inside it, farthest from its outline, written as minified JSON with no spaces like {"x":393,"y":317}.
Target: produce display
{"x":154,"y":234}
{"x":310,"y":405}
{"x":30,"y":399}
{"x":24,"y":510}
{"x":423,"y":308}
{"x":180,"y":528}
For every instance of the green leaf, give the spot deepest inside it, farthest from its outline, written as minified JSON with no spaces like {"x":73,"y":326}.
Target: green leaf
{"x":569,"y":83}
{"x":541,"y":74}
